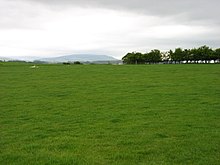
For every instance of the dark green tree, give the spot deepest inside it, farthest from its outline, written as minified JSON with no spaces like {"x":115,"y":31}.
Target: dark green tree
{"x":216,"y":55}
{"x":139,"y":58}
{"x":186,"y":55}
{"x":177,"y":55}
{"x":154,"y":56}
{"x":170,"y":54}
{"x":129,"y":58}
{"x":77,"y":62}
{"x":204,"y":53}
{"x":194,"y":53}
{"x":133,"y":58}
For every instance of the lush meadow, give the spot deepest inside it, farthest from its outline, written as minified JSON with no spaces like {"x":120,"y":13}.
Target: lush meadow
{"x":110,"y":114}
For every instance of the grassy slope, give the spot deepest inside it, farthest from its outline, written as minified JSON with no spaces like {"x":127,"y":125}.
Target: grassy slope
{"x":103,"y":114}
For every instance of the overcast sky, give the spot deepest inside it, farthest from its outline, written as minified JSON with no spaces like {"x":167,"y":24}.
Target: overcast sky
{"x":111,"y":27}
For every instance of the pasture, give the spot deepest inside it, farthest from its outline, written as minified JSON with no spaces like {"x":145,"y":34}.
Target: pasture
{"x":109,"y":114}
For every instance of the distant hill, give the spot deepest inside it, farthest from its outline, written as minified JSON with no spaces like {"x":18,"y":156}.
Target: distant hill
{"x":5,"y":59}
{"x":79,"y":57}
{"x":84,"y":58}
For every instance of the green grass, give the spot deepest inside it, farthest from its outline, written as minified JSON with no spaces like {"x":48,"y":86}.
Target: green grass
{"x":106,"y":114}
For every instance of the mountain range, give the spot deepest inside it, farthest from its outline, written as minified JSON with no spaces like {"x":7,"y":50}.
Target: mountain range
{"x":79,"y":57}
{"x":67,"y":58}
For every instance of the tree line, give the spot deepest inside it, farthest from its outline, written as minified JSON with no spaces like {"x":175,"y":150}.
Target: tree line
{"x":203,"y":54}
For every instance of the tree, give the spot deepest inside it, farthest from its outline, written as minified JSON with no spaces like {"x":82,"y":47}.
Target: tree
{"x":133,"y":58}
{"x":186,"y":55}
{"x":204,"y":53}
{"x":177,"y":55}
{"x":129,"y":58}
{"x":195,"y":55}
{"x":139,"y":58}
{"x":153,"y":57}
{"x":170,"y":54}
{"x":216,"y":55}
{"x":165,"y":57}
{"x":77,"y":62}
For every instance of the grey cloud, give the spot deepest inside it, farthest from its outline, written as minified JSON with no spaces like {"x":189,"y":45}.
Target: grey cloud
{"x":28,"y":14}
{"x":200,"y":12}
{"x":190,"y":10}
{"x":19,"y":15}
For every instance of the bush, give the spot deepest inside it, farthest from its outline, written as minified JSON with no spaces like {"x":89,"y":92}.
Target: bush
{"x":77,"y":62}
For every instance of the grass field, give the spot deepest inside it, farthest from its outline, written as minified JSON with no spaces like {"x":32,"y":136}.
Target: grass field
{"x":108,"y":114}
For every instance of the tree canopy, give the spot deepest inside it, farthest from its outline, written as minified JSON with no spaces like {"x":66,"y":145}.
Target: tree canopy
{"x":203,"y":54}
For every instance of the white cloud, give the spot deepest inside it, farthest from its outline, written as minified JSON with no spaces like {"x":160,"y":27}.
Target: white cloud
{"x":43,"y":30}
